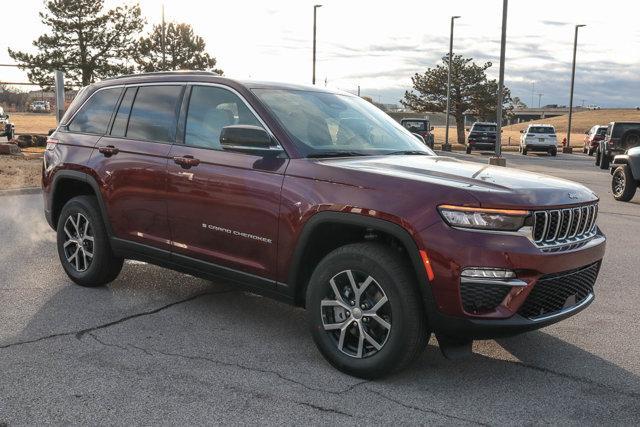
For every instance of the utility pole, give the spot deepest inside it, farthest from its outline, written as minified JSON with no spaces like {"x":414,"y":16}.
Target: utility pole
{"x":358,"y":90}
{"x":567,"y":148}
{"x":533,"y":88}
{"x":446,"y":146}
{"x":539,"y":99}
{"x":315,"y":10}
{"x":498,"y":159}
{"x":163,"y":43}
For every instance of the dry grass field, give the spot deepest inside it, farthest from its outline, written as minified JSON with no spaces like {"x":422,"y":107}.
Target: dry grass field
{"x":581,"y":122}
{"x":33,"y":123}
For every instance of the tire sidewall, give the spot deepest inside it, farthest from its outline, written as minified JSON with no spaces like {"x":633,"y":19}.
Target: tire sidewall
{"x":386,"y":358}
{"x":74,"y":206}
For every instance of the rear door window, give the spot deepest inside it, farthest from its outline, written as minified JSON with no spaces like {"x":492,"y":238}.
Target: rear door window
{"x":95,"y":114}
{"x":154,"y":114}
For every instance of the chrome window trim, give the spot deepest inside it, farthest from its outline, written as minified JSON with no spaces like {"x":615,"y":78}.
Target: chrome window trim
{"x":183,"y":83}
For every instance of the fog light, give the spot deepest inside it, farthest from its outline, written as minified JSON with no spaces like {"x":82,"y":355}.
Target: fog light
{"x":487,"y":273}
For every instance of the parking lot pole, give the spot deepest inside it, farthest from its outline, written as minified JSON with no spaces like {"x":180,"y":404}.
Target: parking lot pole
{"x":498,"y":160}
{"x":446,"y":146}
{"x":59,"y":86}
{"x":567,"y":148}
{"x":315,"y":10}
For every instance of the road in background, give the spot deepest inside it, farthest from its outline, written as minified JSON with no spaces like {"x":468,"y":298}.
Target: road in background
{"x":162,"y":347}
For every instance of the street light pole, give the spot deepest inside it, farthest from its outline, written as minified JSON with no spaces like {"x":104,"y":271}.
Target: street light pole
{"x":446,"y":146}
{"x":315,"y":9}
{"x":498,"y":160}
{"x":567,"y":148}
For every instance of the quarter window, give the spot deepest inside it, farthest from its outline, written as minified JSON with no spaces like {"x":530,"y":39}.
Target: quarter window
{"x":95,"y":114}
{"x":210,"y":109}
{"x":154,"y":114}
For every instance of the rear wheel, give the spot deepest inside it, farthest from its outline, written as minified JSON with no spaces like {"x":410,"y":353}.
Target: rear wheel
{"x":365,"y":312}
{"x":523,"y":150}
{"x":623,"y":186}
{"x":83,"y":244}
{"x":468,"y":149}
{"x":553,"y":151}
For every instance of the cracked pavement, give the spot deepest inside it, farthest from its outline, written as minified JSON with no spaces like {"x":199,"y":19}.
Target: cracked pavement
{"x":158,"y":346}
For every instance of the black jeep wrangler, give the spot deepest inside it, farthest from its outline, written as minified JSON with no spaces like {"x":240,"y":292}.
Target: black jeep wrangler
{"x":626,"y":175}
{"x":620,"y":137}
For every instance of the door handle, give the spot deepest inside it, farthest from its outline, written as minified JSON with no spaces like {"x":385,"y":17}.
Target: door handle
{"x":108,"y":150}
{"x":186,"y":161}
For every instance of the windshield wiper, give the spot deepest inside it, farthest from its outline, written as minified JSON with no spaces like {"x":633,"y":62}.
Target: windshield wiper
{"x":335,"y":154}
{"x":409,"y":153}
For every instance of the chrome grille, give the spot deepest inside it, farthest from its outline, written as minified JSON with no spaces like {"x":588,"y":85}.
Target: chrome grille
{"x":559,"y":228}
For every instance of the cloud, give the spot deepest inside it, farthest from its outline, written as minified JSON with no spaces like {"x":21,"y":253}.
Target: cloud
{"x":555,"y":23}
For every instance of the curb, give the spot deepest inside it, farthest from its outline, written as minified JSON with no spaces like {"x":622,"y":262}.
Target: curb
{"x":20,"y":191}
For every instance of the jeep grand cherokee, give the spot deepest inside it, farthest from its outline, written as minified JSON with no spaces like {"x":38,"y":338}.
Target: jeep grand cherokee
{"x":320,"y":199}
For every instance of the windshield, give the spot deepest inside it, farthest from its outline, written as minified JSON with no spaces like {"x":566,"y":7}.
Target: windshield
{"x":414,"y":125}
{"x":541,"y":129}
{"x":322,"y":123}
{"x":483,"y":128}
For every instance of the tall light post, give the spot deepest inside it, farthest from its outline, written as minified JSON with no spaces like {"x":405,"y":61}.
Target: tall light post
{"x":447,"y":146}
{"x":315,"y":10}
{"x":498,"y":159}
{"x":567,"y":148}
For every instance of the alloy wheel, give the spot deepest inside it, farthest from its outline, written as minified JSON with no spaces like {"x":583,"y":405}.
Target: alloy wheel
{"x":618,"y":183}
{"x":356,"y":313}
{"x":78,"y":242}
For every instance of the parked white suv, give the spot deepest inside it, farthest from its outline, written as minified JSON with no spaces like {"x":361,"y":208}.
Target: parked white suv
{"x":539,"y":138}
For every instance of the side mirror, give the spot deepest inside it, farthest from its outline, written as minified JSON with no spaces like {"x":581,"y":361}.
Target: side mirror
{"x":51,"y":131}
{"x":246,"y":138}
{"x":6,"y":116}
{"x":417,"y":135}
{"x":586,"y":132}
{"x":467,"y":129}
{"x":432,"y":128}
{"x":521,"y":130}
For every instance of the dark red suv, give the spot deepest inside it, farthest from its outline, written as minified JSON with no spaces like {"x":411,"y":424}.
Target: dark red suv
{"x":319,"y":199}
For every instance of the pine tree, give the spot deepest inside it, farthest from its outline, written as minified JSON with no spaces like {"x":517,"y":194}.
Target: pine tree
{"x":183,"y":50}
{"x":83,"y":40}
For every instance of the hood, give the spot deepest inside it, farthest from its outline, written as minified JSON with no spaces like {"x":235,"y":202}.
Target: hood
{"x":492,"y":186}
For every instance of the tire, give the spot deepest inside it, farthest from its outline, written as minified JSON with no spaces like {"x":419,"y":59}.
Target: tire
{"x":468,"y":149}
{"x":604,"y":160}
{"x":584,"y":150}
{"x":590,"y":151}
{"x":524,"y":150}
{"x":94,"y":263}
{"x":597,"y":162}
{"x":553,"y":151}
{"x":623,"y":186}
{"x":389,"y":276}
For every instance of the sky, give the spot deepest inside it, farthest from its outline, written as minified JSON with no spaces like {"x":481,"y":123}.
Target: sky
{"x":379,"y":45}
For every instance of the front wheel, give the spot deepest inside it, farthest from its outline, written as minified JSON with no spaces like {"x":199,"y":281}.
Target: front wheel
{"x":83,"y":244}
{"x":468,"y":149}
{"x":523,"y":150}
{"x":365,"y":311}
{"x":623,"y":186}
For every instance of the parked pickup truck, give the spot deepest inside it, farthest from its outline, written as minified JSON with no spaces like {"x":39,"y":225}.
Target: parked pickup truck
{"x":7,"y":128}
{"x":321,"y":200}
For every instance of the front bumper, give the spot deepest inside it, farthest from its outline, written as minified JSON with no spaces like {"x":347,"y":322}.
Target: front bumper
{"x":453,"y":250}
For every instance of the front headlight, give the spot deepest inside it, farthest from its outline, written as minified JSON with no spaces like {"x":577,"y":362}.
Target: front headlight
{"x":483,"y":219}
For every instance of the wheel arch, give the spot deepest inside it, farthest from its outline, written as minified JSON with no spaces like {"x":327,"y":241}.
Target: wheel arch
{"x":68,"y":184}
{"x":308,"y":253}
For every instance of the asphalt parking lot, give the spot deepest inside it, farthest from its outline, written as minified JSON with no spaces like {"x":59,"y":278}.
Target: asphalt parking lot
{"x":161,"y":347}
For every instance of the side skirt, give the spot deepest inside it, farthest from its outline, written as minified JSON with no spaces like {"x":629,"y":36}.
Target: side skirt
{"x":199,"y":268}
